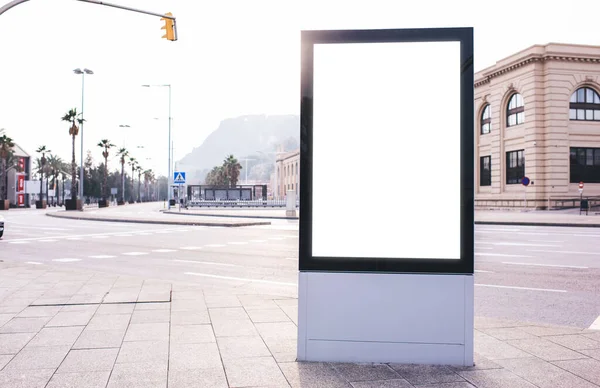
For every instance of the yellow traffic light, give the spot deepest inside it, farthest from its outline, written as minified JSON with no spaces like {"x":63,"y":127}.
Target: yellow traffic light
{"x":169,"y":27}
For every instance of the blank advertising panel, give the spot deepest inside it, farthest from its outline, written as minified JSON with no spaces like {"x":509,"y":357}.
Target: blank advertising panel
{"x":387,"y":155}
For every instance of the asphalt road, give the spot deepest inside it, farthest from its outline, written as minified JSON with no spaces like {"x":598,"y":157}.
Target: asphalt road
{"x":528,"y":274}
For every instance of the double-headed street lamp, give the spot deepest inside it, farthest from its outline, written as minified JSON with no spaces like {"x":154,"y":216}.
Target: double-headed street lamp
{"x":169,"y":144}
{"x":83,"y":73}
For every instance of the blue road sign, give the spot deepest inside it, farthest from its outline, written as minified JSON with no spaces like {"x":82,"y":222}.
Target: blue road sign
{"x":525,"y":181}
{"x":179,"y":177}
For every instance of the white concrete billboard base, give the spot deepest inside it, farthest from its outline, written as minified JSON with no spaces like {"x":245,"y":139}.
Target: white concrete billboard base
{"x":385,"y":317}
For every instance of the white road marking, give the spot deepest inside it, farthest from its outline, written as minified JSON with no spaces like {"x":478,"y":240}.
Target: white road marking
{"x":545,"y":265}
{"x":526,"y":244}
{"x":66,"y":260}
{"x":482,"y":271}
{"x":572,"y":252}
{"x":100,"y":237}
{"x":18,"y":242}
{"x":496,"y":230}
{"x":275,"y":238}
{"x":215,"y":245}
{"x":499,"y":255}
{"x":135,"y":253}
{"x":550,"y":241}
{"x":74,"y":238}
{"x":33,"y":262}
{"x":520,"y":288}
{"x":485,"y":248}
{"x":143,"y":234}
{"x":586,"y":235}
{"x":47,"y":241}
{"x":258,"y":241}
{"x":240,"y":279}
{"x":123,"y":235}
{"x":190,"y":248}
{"x":70,"y":237}
{"x":595,"y":325}
{"x":206,"y":262}
{"x":101,"y":257}
{"x":164,"y":250}
{"x":237,"y":243}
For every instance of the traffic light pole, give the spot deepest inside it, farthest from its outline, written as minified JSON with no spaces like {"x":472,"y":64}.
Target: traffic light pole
{"x":14,"y":3}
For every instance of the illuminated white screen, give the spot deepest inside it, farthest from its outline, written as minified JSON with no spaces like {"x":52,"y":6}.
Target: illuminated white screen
{"x":386,"y":150}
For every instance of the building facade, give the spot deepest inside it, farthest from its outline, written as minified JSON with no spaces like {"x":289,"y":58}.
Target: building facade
{"x":17,"y":176}
{"x":537,"y":115}
{"x":286,"y":175}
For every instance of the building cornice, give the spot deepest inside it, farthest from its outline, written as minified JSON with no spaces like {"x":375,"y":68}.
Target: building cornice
{"x":487,"y":75}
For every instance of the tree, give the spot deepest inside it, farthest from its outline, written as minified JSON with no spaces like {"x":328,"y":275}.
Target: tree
{"x":55,"y":166}
{"x":106,"y":145}
{"x":139,"y":171}
{"x":123,"y":153}
{"x":43,"y":150}
{"x":132,"y":162}
{"x":72,"y":117}
{"x":232,"y":169}
{"x":6,"y":152}
{"x":148,"y":179}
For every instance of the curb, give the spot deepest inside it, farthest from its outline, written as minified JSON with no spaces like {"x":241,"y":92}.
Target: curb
{"x":161,"y":222}
{"x":562,"y":224}
{"x":230,"y":216}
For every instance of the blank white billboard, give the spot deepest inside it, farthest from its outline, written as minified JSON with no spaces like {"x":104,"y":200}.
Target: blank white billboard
{"x":386,"y":150}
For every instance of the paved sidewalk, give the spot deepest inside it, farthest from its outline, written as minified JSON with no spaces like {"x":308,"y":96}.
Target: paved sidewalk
{"x":71,"y":328}
{"x":540,"y":217}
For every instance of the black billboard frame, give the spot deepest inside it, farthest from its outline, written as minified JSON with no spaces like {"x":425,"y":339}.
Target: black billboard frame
{"x":464,"y":265}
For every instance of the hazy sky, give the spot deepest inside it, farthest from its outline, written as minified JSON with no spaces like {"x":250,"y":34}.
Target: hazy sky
{"x":233,"y":57}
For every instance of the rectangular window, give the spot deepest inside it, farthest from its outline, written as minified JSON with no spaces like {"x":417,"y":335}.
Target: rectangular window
{"x":485,"y":171}
{"x":584,"y":165}
{"x":515,"y":167}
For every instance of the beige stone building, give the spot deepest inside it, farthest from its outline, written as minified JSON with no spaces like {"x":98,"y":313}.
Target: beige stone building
{"x":537,"y":114}
{"x":286,"y":175}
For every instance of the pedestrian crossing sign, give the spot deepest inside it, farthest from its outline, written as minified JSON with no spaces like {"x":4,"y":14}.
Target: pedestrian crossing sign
{"x":179,"y":177}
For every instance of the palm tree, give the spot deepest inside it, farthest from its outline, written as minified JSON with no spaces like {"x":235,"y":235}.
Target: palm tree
{"x":148,"y":178}
{"x":6,"y":151}
{"x":232,"y":170}
{"x":132,"y":162}
{"x":139,"y":171}
{"x":106,"y":145}
{"x":42,"y":150}
{"x":72,"y":117}
{"x":55,"y":165}
{"x":123,"y":153}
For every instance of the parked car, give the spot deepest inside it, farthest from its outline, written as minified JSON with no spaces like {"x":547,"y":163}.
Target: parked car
{"x":1,"y":226}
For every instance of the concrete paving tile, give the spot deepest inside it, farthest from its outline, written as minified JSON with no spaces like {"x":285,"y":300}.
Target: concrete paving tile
{"x":71,"y":318}
{"x":110,"y":309}
{"x":144,"y":351}
{"x":121,"y":297}
{"x":397,"y":383}
{"x":494,"y":349}
{"x":97,"y":339}
{"x":89,"y":360}
{"x":89,"y":308}
{"x":480,"y":362}
{"x":79,"y":380}
{"x":42,"y":311}
{"x":194,"y":356}
{"x":259,"y":304}
{"x":198,"y":378}
{"x":147,"y":332}
{"x":268,"y":315}
{"x":190,"y":317}
{"x":236,"y":328}
{"x":29,"y":379}
{"x":153,"y":306}
{"x":291,"y":312}
{"x":12,"y":343}
{"x":365,"y":372}
{"x":575,"y":342}
{"x":286,"y":302}
{"x":595,"y":335}
{"x":150,"y":316}
{"x":12,"y":309}
{"x":426,"y":374}
{"x":495,"y":378}
{"x":507,"y":333}
{"x":191,"y":334}
{"x":593,"y":353}
{"x":257,"y":371}
{"x":546,"y":350}
{"x":588,"y":369}
{"x":139,"y":375}
{"x":6,"y":317}
{"x":281,"y":330}
{"x":222,"y":301}
{"x":285,"y":357}
{"x":4,"y":359}
{"x":239,"y":347}
{"x":56,"y":336}
{"x":541,"y":331}
{"x":188,"y":295}
{"x":463,"y":384}
{"x":47,"y":301}
{"x":313,"y":374}
{"x":281,"y":345}
{"x":488,"y":322}
{"x":543,"y":374}
{"x":46,"y":357}
{"x":87,"y":298}
{"x":188,"y":305}
{"x":24,"y":325}
{"x":109,"y":322}
{"x":228,"y":314}
{"x":159,"y":296}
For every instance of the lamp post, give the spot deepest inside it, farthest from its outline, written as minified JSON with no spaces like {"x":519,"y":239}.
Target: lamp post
{"x":83,"y":73}
{"x":168,"y":145}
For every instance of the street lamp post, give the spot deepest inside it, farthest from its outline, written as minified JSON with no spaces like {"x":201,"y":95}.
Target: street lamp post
{"x":83,"y":73}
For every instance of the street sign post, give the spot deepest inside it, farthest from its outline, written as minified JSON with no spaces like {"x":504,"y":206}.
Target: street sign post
{"x":179,"y":177}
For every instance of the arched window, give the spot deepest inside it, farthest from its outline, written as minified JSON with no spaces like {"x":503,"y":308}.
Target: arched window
{"x":584,"y":105}
{"x":515,"y":111}
{"x":486,"y":120}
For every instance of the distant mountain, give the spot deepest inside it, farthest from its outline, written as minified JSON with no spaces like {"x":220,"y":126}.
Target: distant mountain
{"x":253,"y":137}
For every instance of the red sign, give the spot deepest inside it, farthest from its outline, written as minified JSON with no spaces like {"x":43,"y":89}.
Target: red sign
{"x":21,"y":200}
{"x":21,"y":164}
{"x":20,"y":183}
{"x":581,"y":185}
